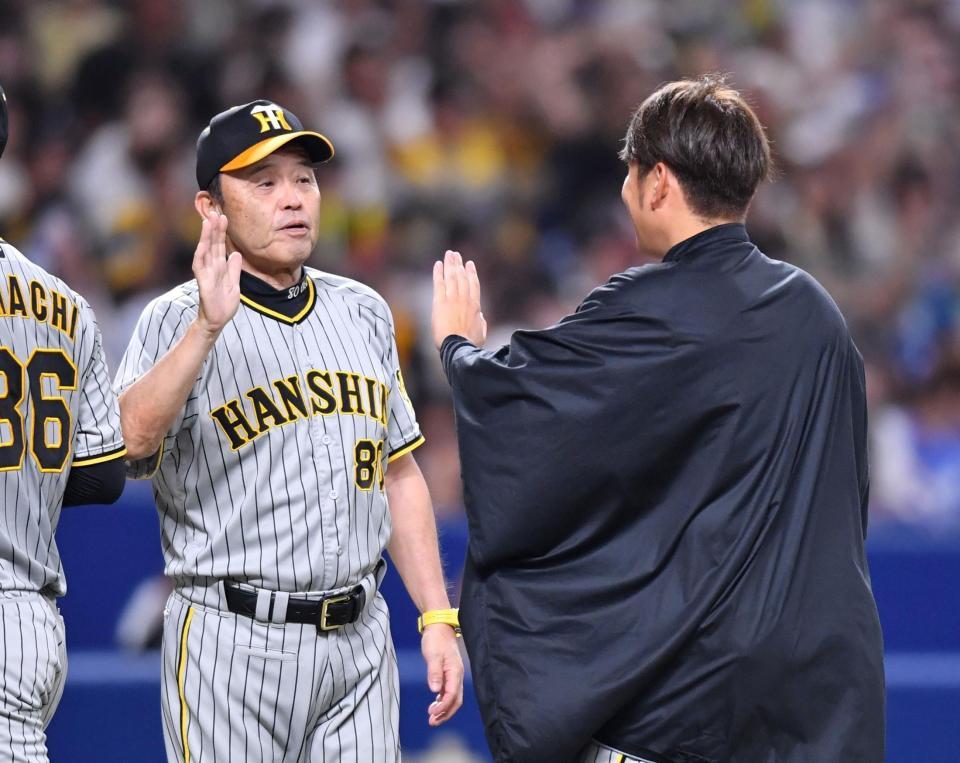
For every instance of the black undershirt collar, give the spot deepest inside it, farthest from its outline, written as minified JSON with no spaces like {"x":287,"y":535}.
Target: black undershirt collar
{"x":291,"y":304}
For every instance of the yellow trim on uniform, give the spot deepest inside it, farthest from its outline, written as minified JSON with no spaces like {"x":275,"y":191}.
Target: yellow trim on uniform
{"x":156,"y":463}
{"x":100,"y":459}
{"x":264,"y":148}
{"x":404,"y":449}
{"x":280,"y":316}
{"x":181,"y":676}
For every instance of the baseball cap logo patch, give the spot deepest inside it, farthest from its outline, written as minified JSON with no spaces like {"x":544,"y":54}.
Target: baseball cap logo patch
{"x":270,"y":117}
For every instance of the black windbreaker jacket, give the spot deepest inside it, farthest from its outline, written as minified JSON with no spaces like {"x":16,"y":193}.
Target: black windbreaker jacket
{"x":666,"y":495}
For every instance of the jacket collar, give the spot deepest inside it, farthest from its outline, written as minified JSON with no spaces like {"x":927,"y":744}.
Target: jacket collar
{"x":727,"y":233}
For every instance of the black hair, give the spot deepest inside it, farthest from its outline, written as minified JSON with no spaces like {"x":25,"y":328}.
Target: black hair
{"x":215,"y":190}
{"x":708,"y":135}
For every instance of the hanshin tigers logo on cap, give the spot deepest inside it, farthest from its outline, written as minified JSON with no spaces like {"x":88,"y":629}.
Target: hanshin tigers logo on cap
{"x":270,"y":117}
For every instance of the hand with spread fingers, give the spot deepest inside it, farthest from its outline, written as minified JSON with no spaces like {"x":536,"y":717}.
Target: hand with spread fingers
{"x":456,"y":300}
{"x":218,"y":276}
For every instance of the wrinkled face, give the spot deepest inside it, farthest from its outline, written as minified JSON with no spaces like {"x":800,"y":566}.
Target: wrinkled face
{"x":273,"y":207}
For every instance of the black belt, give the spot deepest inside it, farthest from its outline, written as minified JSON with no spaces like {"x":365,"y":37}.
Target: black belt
{"x":327,"y":613}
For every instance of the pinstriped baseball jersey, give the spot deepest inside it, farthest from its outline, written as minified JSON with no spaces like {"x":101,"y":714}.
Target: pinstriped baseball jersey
{"x":272,"y":474}
{"x":57,"y":410}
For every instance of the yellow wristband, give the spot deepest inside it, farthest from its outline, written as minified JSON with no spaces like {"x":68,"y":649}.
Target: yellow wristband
{"x":446,"y":616}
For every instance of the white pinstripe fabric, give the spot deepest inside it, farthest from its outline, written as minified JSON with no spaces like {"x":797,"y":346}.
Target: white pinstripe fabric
{"x":31,"y":678}
{"x":302,"y":696}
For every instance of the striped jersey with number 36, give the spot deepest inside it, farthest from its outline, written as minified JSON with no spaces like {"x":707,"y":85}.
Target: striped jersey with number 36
{"x":57,"y":411}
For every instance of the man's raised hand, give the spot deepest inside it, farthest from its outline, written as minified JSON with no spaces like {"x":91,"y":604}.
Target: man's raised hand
{"x":218,"y":276}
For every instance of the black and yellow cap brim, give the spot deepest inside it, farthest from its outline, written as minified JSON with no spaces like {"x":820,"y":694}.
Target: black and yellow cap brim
{"x":318,"y":147}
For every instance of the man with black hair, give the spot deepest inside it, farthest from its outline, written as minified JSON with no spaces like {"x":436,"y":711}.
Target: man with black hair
{"x":667,"y":491}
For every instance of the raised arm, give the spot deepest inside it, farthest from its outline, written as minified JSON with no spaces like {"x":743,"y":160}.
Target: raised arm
{"x":149,"y":406}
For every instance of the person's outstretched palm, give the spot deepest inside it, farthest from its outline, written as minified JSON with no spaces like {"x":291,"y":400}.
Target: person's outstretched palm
{"x":218,"y":276}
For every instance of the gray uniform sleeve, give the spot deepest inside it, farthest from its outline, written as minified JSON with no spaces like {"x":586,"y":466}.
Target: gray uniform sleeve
{"x":403,"y":431}
{"x":161,"y":325}
{"x":97,"y":437}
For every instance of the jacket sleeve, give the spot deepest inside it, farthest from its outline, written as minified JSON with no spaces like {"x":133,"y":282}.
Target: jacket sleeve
{"x":541,"y":425}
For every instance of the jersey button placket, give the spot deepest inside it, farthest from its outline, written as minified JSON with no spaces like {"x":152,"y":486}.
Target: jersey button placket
{"x":306,"y":362}
{"x":332,"y":542}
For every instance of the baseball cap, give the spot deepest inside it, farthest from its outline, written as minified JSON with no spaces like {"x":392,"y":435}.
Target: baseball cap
{"x":243,"y":135}
{"x":3,"y":121}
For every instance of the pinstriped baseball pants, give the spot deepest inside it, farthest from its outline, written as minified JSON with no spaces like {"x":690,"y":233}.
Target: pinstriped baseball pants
{"x":34,"y":667}
{"x":237,"y":689}
{"x":597,"y":753}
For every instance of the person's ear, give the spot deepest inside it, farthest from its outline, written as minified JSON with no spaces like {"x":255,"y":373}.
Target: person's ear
{"x":661,"y":182}
{"x":206,"y":205}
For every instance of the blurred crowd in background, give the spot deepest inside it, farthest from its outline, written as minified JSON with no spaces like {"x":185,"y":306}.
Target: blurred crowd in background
{"x":493,"y":127}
